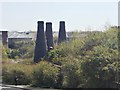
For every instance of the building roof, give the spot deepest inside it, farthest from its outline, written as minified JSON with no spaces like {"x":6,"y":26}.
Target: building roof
{"x":16,"y":34}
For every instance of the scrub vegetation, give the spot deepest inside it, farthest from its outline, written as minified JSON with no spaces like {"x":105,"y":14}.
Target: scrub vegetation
{"x":89,"y":62}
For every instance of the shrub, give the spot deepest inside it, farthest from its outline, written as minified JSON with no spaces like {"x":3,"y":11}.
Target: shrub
{"x":17,"y":74}
{"x":71,"y":73}
{"x":56,"y":56}
{"x":4,"y":52}
{"x":99,"y":68}
{"x":27,"y":61}
{"x":22,"y":49}
{"x":71,"y":48}
{"x":45,"y":75}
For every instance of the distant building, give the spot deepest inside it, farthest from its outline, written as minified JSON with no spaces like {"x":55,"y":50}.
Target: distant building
{"x":14,"y":36}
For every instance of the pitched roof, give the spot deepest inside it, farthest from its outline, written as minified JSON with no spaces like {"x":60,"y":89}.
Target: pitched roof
{"x":16,"y":34}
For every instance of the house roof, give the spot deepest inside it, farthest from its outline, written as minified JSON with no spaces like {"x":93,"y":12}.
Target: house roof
{"x":16,"y":34}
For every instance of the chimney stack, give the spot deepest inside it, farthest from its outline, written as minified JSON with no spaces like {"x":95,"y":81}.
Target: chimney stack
{"x":40,"y":48}
{"x":49,"y":36}
{"x":62,"y":32}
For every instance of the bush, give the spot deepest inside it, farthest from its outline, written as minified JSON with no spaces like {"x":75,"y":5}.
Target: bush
{"x":28,"y":61}
{"x":56,"y":56}
{"x":71,"y":48}
{"x":45,"y":75}
{"x":22,"y":49}
{"x":100,"y":68}
{"x":4,"y":53}
{"x":71,"y":73}
{"x":17,"y":74}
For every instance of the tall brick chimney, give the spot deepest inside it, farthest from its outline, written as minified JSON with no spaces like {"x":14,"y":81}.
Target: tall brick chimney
{"x":62,"y":32}
{"x":49,"y":36}
{"x":40,"y":48}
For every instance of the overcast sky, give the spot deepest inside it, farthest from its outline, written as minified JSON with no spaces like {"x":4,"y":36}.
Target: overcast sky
{"x":23,"y":16}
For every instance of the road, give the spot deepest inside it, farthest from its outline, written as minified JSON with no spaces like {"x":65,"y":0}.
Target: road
{"x":13,"y":87}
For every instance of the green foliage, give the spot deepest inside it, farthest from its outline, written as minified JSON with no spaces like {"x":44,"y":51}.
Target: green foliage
{"x":71,"y":73}
{"x":4,"y":53}
{"x":17,"y":74}
{"x":22,"y":49}
{"x":100,"y":62}
{"x":88,"y":62}
{"x":45,"y":75}
{"x":96,"y":56}
{"x":55,"y":56}
{"x":100,"y":69}
{"x":27,"y":61}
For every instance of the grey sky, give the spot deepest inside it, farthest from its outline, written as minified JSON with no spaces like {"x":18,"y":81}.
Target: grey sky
{"x":23,"y":16}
